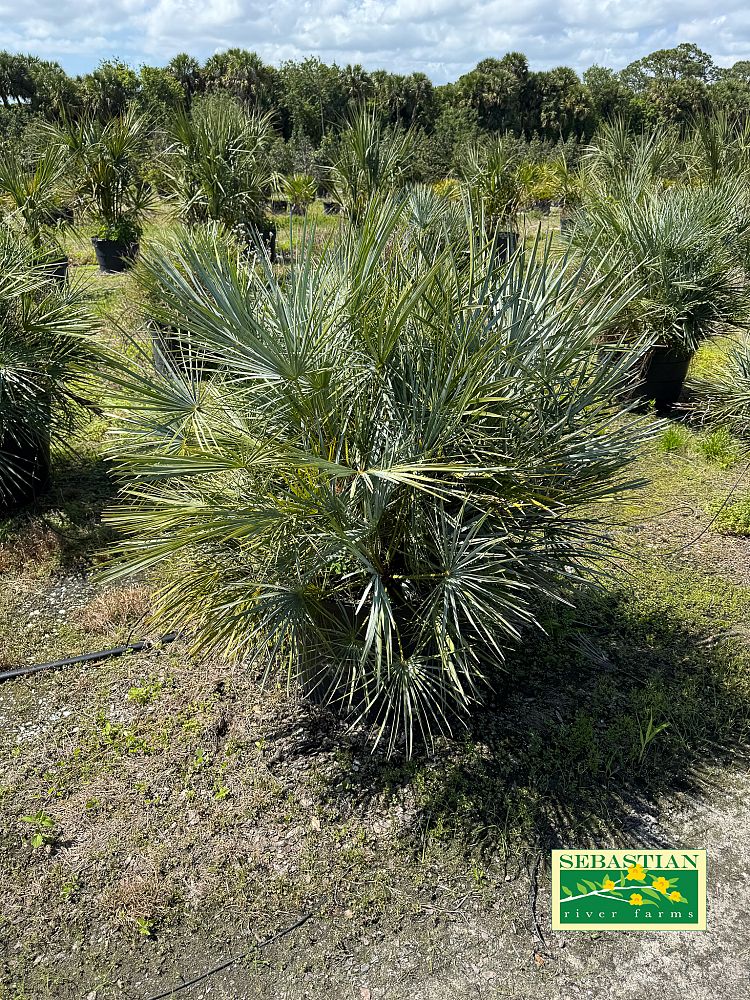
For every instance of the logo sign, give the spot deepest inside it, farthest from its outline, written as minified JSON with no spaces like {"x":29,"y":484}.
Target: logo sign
{"x":629,"y":890}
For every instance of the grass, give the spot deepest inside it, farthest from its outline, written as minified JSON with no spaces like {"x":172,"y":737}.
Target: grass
{"x":289,"y":229}
{"x":162,"y":808}
{"x":715,"y":446}
{"x":735,"y":518}
{"x":719,"y":447}
{"x":675,"y":438}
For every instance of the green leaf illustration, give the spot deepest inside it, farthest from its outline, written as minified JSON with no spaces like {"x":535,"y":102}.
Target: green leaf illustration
{"x":648,"y":891}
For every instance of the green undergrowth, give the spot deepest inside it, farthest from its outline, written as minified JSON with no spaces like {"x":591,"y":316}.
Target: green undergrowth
{"x":734,"y":519}
{"x":708,"y":468}
{"x":714,"y":446}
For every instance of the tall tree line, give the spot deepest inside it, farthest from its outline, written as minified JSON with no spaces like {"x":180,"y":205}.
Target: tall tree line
{"x":309,"y":100}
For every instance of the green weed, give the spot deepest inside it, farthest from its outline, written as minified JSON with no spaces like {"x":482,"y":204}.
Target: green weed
{"x":43,"y":829}
{"x":718,"y":447}
{"x":675,"y":439}
{"x":146,"y":694}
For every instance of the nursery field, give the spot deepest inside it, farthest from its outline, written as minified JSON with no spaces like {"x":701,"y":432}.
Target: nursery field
{"x":164,"y":812}
{"x":424,"y":498}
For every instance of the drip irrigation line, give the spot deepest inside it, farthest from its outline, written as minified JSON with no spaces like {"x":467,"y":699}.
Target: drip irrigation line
{"x":104,"y":654}
{"x":230,"y":961}
{"x":681,"y":548}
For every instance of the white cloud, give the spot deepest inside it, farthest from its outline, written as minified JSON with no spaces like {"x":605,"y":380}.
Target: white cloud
{"x":441,"y":37}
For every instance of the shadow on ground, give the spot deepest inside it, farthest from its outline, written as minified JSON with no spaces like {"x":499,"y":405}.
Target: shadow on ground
{"x":63,"y":529}
{"x":595,"y":728}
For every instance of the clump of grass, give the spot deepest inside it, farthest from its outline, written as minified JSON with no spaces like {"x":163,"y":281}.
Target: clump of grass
{"x":675,"y":438}
{"x":117,"y":606}
{"x":735,"y":519}
{"x":718,"y":447}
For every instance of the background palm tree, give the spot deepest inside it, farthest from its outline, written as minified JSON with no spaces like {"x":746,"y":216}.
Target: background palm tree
{"x":44,"y":353}
{"x":217,"y":162}
{"x":684,"y":246}
{"x":32,"y":191}
{"x":299,"y":191}
{"x":218,"y":165}
{"x":718,"y":147}
{"x":371,"y":163}
{"x":108,"y":169}
{"x":490,"y":171}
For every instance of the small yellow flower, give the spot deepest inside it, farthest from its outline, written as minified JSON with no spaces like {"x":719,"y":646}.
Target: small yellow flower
{"x":636,"y":899}
{"x":608,"y":884}
{"x":660,"y":883}
{"x":637,"y":872}
{"x":675,"y":897}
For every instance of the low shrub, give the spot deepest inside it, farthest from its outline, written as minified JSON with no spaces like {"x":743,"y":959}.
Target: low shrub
{"x":396,"y":460}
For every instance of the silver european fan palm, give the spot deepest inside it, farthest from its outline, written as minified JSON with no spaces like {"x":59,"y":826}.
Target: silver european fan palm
{"x":371,"y":163}
{"x":32,"y":192}
{"x":217,"y":163}
{"x":108,"y":164}
{"x":685,"y":248}
{"x":398,"y":455}
{"x":490,"y":171}
{"x":723,"y":389}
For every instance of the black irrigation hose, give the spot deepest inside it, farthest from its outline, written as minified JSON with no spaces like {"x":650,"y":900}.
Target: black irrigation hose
{"x":104,"y":654}
{"x":230,"y":961}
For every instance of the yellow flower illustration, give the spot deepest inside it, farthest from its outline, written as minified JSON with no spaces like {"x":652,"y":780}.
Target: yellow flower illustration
{"x":608,"y":884}
{"x":675,"y":897}
{"x":637,"y":872}
{"x":661,"y":884}
{"x":636,"y":899}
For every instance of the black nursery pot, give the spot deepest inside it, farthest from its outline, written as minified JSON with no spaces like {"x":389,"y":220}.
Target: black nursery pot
{"x":507,"y":243}
{"x":57,"y":270}
{"x":266,"y":232}
{"x":664,"y":376}
{"x":64,"y":214}
{"x":114,"y":256}
{"x":29,"y":455}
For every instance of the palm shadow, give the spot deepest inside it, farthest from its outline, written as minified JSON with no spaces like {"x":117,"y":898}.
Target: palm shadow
{"x":624,"y":707}
{"x":65,"y":522}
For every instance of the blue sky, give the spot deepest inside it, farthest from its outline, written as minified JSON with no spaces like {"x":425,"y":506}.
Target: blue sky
{"x":443,"y":38}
